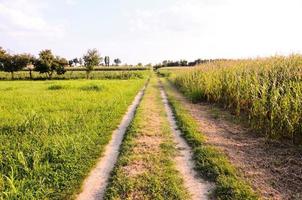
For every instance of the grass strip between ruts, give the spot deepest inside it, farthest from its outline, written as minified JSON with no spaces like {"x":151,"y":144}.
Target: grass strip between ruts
{"x":145,"y":168}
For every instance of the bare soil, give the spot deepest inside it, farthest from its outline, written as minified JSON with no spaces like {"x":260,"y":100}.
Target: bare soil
{"x":146,"y":142}
{"x":95,"y":184}
{"x":273,"y":168}
{"x":149,"y":140}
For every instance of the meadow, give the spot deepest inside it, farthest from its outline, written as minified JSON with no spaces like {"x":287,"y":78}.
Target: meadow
{"x":266,"y":91}
{"x":52,"y":133}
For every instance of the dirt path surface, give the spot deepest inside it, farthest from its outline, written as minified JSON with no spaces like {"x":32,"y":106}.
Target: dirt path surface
{"x":146,"y":168}
{"x":197,"y":187}
{"x":95,"y":184}
{"x":273,"y":169}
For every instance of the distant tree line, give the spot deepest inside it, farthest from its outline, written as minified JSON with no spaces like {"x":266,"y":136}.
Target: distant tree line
{"x":47,"y":63}
{"x":183,"y":63}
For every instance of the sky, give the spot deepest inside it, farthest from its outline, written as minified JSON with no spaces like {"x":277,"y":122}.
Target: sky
{"x":150,"y":31}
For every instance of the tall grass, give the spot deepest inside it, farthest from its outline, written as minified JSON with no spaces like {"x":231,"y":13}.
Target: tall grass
{"x":268,"y":91}
{"x":52,"y":133}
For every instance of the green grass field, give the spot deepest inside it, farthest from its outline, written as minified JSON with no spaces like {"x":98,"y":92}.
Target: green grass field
{"x":52,"y":133}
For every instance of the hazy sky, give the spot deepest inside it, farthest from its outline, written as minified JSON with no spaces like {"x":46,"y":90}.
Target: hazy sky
{"x":153,"y":30}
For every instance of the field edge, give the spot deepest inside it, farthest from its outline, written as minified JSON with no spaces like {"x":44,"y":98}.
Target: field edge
{"x":209,"y":161}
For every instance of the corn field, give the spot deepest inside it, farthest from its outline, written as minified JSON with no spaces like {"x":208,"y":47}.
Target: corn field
{"x":267,"y":90}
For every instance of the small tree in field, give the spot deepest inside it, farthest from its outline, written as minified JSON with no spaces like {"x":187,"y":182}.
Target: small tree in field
{"x":14,"y":63}
{"x":75,"y":61}
{"x":30,"y":68}
{"x":107,"y":61}
{"x":26,"y":61}
{"x":10,"y":64}
{"x":48,"y":63}
{"x":183,"y":63}
{"x":45,"y":63}
{"x":80,"y":61}
{"x":117,"y":61}
{"x":91,"y":59}
{"x":2,"y":58}
{"x":60,"y":64}
{"x":70,"y":63}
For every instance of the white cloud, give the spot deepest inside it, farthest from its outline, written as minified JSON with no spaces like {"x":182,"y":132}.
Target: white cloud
{"x":23,"y":18}
{"x":220,"y":28}
{"x":71,"y":2}
{"x":151,"y":32}
{"x":183,"y":15}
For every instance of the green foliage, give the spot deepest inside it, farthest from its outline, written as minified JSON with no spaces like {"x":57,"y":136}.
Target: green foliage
{"x":268,"y":91}
{"x":14,"y":63}
{"x":10,"y":64}
{"x":48,"y":63}
{"x":45,"y":63}
{"x":91,"y":59}
{"x":117,"y":61}
{"x":2,"y":58}
{"x":60,"y":64}
{"x":75,"y":61}
{"x":107,"y":61}
{"x":50,"y":140}
{"x":209,"y":162}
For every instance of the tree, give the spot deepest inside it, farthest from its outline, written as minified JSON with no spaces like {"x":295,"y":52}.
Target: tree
{"x":2,"y":58}
{"x":70,"y":63}
{"x":48,"y":63}
{"x":75,"y":61}
{"x":80,"y":61}
{"x":91,"y":59}
{"x":27,"y":61}
{"x":9,"y":64}
{"x":60,"y":64}
{"x":139,"y":64}
{"x":117,"y":61}
{"x":13,"y":63}
{"x":183,"y":63}
{"x":165,"y":63}
{"x":45,"y":63}
{"x":107,"y":60}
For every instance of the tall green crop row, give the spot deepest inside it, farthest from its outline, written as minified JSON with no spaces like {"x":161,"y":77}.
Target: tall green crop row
{"x":268,"y":90}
